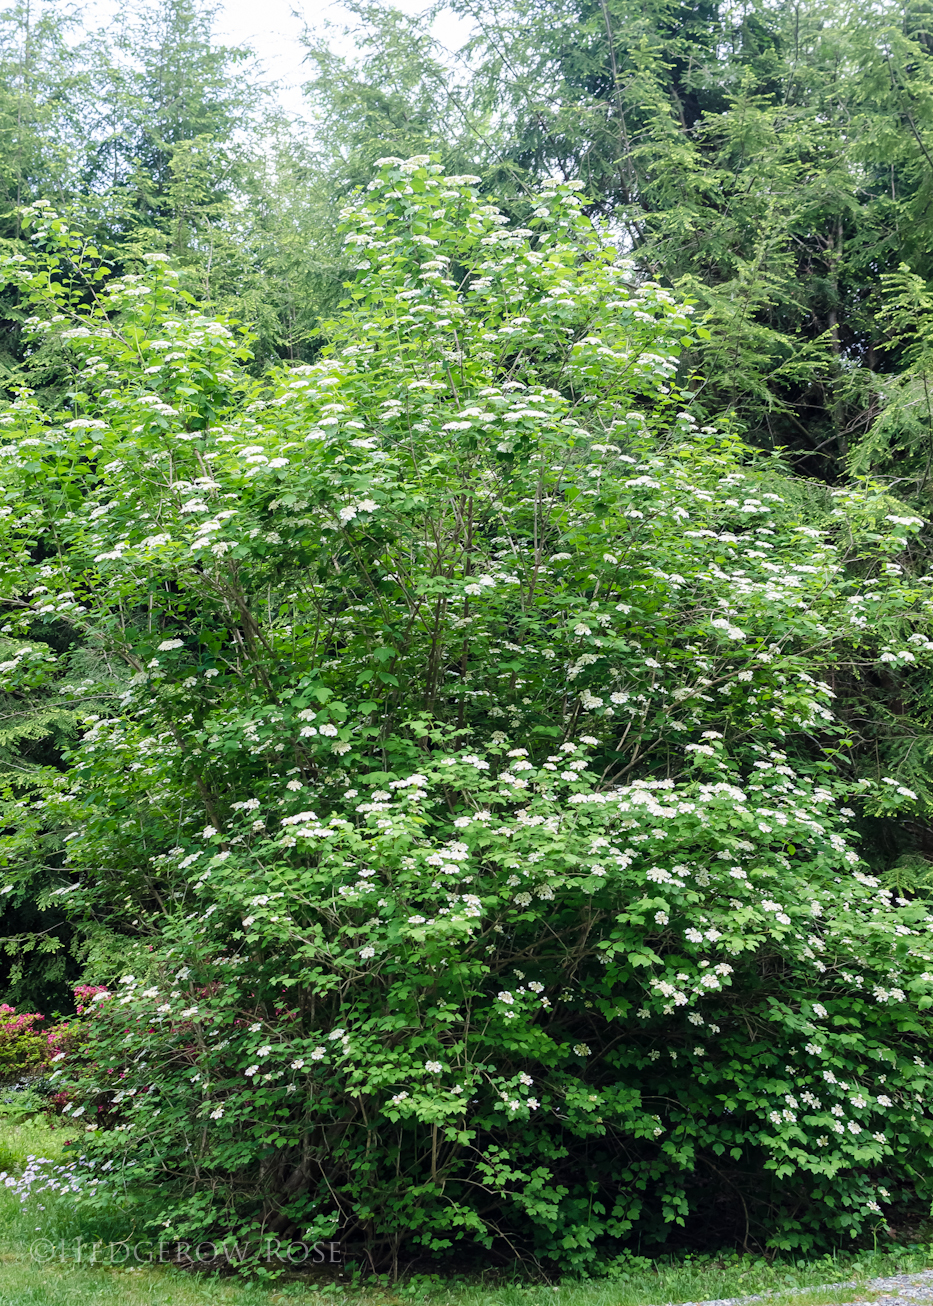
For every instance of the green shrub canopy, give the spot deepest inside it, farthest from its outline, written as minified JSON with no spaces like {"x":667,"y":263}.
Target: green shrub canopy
{"x":470,"y":808}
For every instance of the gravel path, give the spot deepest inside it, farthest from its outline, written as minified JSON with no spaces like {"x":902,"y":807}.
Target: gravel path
{"x":892,"y":1290}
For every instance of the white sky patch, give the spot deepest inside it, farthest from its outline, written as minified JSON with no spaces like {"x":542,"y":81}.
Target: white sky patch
{"x":273,"y":31}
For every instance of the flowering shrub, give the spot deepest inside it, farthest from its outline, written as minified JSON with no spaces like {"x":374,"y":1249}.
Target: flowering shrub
{"x":87,"y":994}
{"x":474,"y":823}
{"x":24,"y":1048}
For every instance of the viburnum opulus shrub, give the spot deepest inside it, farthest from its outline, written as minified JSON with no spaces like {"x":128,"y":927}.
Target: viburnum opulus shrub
{"x":471,"y":824}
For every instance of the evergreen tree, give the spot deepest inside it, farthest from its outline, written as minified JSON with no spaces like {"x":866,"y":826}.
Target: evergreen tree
{"x":774,"y":161}
{"x":43,"y":107}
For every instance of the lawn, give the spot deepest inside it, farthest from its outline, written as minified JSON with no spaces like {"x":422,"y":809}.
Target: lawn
{"x":49,"y":1258}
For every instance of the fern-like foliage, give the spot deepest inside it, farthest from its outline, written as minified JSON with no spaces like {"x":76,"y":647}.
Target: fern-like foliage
{"x":910,"y":876}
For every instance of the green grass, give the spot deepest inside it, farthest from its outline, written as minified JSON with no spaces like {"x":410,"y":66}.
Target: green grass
{"x":63,"y":1281}
{"x":703,"y":1278}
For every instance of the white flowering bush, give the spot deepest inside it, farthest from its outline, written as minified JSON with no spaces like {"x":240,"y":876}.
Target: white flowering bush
{"x":466,"y":845}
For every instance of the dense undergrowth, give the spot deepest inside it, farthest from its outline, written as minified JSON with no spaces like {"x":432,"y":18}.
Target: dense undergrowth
{"x":51,"y":1253}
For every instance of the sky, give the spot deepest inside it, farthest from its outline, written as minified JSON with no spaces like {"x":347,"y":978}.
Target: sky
{"x":273,"y":29}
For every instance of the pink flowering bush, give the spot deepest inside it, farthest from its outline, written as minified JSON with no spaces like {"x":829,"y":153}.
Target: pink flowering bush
{"x":472,"y":846}
{"x":87,"y":994}
{"x":24,"y":1047}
